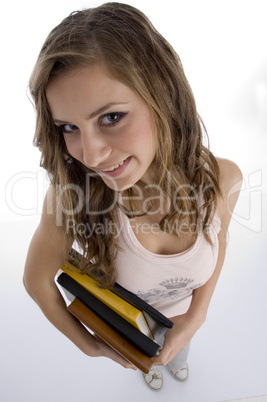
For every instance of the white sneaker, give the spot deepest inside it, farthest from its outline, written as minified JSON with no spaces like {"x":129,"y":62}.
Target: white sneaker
{"x":181,"y":374}
{"x":154,"y":378}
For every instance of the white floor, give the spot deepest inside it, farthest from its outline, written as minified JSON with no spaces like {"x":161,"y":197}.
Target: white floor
{"x":228,"y":355}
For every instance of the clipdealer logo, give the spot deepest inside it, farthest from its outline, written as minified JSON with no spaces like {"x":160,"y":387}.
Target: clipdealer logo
{"x":248,"y":212}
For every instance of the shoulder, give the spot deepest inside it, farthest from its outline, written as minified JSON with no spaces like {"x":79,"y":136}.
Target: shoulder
{"x":48,"y":248}
{"x":52,"y":222}
{"x":230,"y":180}
{"x":230,"y":174}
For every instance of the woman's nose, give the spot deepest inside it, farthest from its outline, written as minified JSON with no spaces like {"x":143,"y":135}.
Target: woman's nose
{"x":95,"y":149}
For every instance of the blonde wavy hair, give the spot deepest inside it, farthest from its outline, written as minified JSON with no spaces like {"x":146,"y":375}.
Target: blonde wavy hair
{"x":123,"y":38}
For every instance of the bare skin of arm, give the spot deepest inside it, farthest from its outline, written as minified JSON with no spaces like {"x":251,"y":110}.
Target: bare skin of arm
{"x":48,"y":250}
{"x":186,"y":325}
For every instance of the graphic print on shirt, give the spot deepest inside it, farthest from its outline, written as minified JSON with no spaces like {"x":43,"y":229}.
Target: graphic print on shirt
{"x":175,"y":288}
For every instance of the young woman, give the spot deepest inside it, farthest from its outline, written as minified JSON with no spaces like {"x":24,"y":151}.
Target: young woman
{"x":131,"y":180}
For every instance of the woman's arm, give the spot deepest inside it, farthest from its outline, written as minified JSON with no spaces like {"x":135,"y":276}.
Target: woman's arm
{"x":186,"y":325}
{"x":48,"y":249}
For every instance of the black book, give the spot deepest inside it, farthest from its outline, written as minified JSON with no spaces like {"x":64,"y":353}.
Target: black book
{"x":144,"y":343}
{"x":157,"y":322}
{"x":141,"y":305}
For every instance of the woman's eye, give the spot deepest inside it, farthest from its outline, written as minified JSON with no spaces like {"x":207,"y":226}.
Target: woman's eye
{"x":68,"y":128}
{"x":111,"y":119}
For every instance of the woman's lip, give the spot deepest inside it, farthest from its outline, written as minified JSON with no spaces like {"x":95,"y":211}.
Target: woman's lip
{"x":118,"y":171}
{"x":111,"y":166}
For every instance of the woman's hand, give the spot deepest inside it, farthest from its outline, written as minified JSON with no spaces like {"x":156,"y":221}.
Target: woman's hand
{"x":177,"y":338}
{"x":103,"y":349}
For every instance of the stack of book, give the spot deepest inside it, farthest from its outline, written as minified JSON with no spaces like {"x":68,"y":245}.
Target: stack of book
{"x":120,"y":318}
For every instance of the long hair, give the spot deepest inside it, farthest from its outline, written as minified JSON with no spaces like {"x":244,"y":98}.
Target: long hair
{"x":124,"y":40}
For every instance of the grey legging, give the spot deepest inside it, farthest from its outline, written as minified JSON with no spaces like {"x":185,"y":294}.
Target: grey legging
{"x":180,"y":359}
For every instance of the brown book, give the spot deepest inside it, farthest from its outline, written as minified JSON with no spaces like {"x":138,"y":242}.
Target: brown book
{"x":109,"y":335}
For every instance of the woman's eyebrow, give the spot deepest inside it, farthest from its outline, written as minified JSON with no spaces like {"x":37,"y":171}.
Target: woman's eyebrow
{"x":60,"y":122}
{"x":105,"y":107}
{"x":96,"y":112}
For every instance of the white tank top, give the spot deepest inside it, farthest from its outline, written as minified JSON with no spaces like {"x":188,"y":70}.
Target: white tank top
{"x":165,"y":281}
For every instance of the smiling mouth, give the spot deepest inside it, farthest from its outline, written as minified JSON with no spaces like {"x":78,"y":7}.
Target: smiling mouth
{"x":113,"y":167}
{"x":116,"y":170}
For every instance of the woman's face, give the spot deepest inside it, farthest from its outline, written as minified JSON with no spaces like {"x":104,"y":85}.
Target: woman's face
{"x":106,"y":125}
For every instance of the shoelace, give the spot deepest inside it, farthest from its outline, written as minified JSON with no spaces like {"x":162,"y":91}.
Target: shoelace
{"x":154,"y":374}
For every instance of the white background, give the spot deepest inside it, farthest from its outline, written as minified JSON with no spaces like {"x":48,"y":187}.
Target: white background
{"x":222,"y":45}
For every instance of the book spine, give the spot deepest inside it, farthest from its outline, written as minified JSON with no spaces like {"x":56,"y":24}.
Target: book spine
{"x":110,"y":336}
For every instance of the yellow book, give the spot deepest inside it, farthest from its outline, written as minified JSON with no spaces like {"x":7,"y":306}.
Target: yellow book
{"x":126,"y":310}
